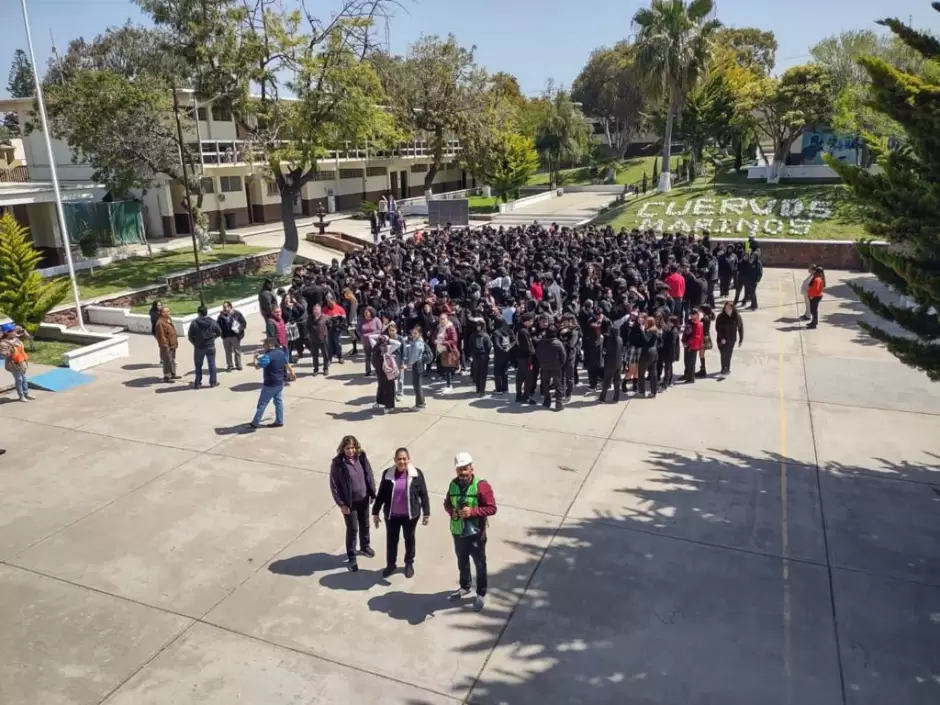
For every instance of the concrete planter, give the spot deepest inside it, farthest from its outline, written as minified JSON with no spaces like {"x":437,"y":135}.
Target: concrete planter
{"x":97,"y":348}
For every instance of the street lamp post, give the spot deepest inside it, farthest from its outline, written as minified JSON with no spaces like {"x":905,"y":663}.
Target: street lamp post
{"x":63,"y":227}
{"x":188,"y":192}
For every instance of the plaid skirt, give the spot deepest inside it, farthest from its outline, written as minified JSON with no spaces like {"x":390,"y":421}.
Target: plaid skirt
{"x":293,"y":332}
{"x":632,"y":356}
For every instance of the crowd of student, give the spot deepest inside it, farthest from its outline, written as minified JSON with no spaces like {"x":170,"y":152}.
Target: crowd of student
{"x":552,"y":303}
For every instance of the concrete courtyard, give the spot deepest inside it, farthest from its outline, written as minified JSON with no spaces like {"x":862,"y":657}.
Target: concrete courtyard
{"x":771,"y":538}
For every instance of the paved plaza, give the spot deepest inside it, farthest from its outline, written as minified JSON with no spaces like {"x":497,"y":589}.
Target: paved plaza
{"x":770,"y":538}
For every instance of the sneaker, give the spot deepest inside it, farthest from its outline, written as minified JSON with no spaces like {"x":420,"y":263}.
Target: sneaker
{"x":228,"y":369}
{"x":368,"y":551}
{"x":479,"y":603}
{"x":376,"y":406}
{"x":24,"y":399}
{"x":353,"y":567}
{"x":458,"y":595}
{"x":274,"y":424}
{"x":421,"y":406}
{"x":389,"y":570}
{"x":409,"y":570}
{"x":214,"y":384}
{"x":398,"y":397}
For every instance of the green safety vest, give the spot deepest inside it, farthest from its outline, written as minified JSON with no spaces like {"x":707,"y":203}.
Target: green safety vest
{"x":458,"y":496}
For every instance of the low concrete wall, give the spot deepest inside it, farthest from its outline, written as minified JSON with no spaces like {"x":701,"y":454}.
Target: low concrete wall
{"x":528,"y":200}
{"x":800,"y":172}
{"x":341,"y":242}
{"x":140,"y":322}
{"x":97,"y":348}
{"x":780,"y":252}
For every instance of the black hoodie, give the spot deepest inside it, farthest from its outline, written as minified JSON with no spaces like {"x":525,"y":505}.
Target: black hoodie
{"x":203,"y":332}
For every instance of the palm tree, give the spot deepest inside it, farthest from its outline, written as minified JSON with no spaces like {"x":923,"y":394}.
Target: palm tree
{"x":673,"y":40}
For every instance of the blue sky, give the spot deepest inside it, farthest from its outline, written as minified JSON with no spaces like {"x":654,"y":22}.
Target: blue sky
{"x":533,"y":39}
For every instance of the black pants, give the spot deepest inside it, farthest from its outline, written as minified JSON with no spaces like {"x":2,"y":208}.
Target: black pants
{"x":569,"y":377}
{"x":393,"y":527}
{"x":724,"y":284}
{"x":318,"y":348}
{"x":501,"y":373}
{"x":417,"y":372}
{"x":611,"y":379}
{"x":385,"y":393}
{"x":466,"y":548}
{"x":525,"y":379}
{"x":739,"y":290}
{"x":725,"y":352}
{"x":336,"y":343}
{"x":478,"y":371}
{"x":690,"y":356}
{"x":357,"y":524}
{"x":667,"y":372}
{"x":814,"y":310}
{"x":595,"y":375}
{"x":549,"y":379}
{"x":750,"y":293}
{"x":647,"y":369}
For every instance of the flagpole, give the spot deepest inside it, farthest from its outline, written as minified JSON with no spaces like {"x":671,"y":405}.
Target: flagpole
{"x":63,"y":227}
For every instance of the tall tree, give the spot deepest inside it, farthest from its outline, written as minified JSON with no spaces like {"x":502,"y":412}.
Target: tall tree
{"x":673,"y":44}
{"x":298,"y":85}
{"x":111,"y":100}
{"x":901,"y":204}
{"x":609,"y":89}
{"x":436,"y":91}
{"x":19,"y":85}
{"x":510,"y":162}
{"x":840,"y":54}
{"x":502,"y":108}
{"x":801,"y":98}
{"x":755,"y":49}
{"x":562,"y":135}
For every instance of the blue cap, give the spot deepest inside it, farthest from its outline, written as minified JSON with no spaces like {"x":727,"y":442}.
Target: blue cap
{"x":7,"y":327}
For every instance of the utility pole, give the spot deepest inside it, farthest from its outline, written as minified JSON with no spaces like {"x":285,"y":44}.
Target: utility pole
{"x":189,"y":196}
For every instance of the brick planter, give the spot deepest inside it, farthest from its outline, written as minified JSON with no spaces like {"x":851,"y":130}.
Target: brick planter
{"x":340,"y":242}
{"x":779,"y":252}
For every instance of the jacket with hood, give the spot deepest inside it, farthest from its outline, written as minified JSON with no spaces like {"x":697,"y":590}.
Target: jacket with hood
{"x":418,"y":502}
{"x":203,"y":332}
{"x":550,"y":353}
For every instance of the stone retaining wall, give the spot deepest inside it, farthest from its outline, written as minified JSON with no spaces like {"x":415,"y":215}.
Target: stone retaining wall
{"x":780,"y":252}
{"x":240,"y":266}
{"x":341,"y":242}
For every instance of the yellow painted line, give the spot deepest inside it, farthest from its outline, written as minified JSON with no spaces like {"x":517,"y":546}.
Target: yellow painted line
{"x":784,"y":532}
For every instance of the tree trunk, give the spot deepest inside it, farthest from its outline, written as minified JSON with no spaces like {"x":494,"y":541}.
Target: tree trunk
{"x":738,"y":153}
{"x":665,"y":179}
{"x":285,"y":259}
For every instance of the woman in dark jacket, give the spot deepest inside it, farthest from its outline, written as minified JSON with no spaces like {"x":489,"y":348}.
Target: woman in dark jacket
{"x":352,"y":485}
{"x":649,"y":357}
{"x":155,"y":309}
{"x":402,"y":498}
{"x":728,"y":326}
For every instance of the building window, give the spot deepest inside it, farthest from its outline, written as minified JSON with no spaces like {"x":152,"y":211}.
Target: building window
{"x":221,"y":114}
{"x":324,"y":176}
{"x":207,"y":185}
{"x":201,"y":114}
{"x":230,"y":184}
{"x":419,"y":168}
{"x":377,"y":171}
{"x":272,"y":187}
{"x":351,"y":173}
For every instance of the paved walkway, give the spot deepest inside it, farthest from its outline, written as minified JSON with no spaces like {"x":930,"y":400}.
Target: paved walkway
{"x":770,"y":538}
{"x":569,"y":209}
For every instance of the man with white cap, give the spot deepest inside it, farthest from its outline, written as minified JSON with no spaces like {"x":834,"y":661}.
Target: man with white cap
{"x":469,"y":502}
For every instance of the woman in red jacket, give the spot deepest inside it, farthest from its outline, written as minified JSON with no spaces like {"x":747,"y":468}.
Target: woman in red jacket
{"x":694,"y":339}
{"x":814,"y":293}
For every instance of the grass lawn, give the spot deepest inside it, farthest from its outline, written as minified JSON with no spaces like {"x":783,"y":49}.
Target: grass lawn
{"x":629,"y":171}
{"x":185,"y":302}
{"x":481,"y":204}
{"x":49,"y":352}
{"x":843,"y":223}
{"x":138,"y":272}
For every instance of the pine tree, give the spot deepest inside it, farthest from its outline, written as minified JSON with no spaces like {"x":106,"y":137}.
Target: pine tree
{"x":24,"y":295}
{"x":901,"y":204}
{"x":656,"y":170}
{"x":19,"y":85}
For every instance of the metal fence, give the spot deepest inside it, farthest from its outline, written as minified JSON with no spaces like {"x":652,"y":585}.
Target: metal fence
{"x":448,"y":210}
{"x":122,"y":219}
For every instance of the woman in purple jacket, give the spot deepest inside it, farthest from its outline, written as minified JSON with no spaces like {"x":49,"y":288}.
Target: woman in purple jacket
{"x":352,"y":485}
